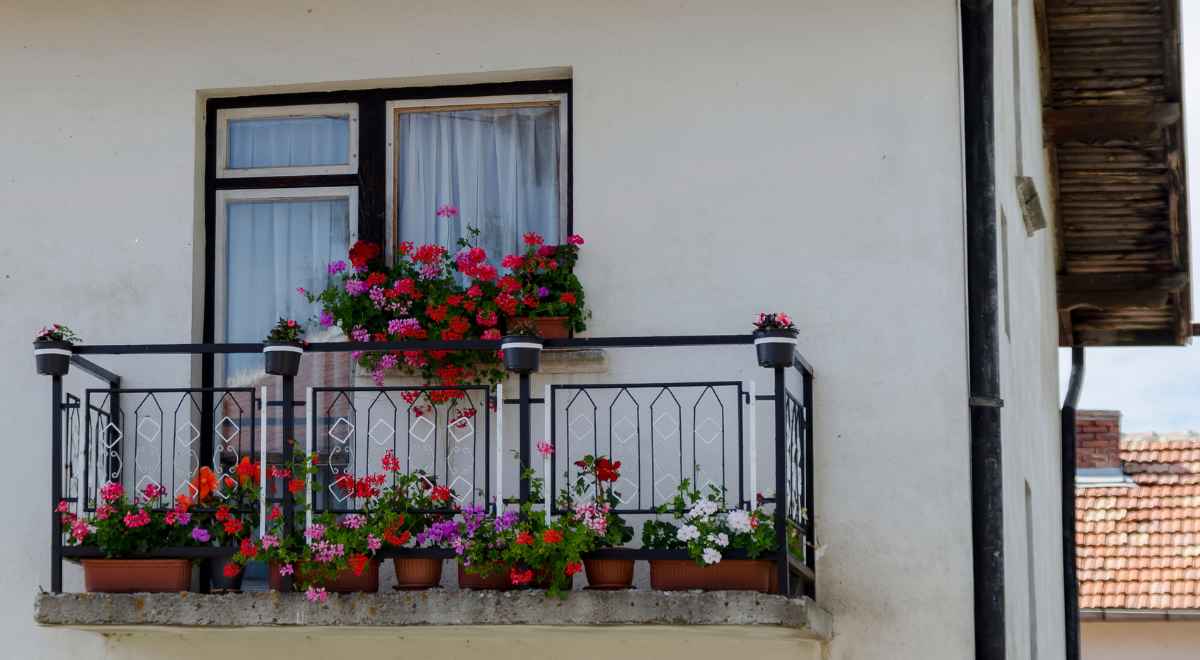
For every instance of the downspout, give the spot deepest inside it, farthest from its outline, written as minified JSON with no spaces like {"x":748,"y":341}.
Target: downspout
{"x":987,"y":478}
{"x":1070,"y":586}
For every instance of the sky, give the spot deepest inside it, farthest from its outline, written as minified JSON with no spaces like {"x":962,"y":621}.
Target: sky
{"x":1157,"y":389}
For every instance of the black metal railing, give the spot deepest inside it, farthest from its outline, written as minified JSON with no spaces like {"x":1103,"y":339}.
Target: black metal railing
{"x":754,"y":447}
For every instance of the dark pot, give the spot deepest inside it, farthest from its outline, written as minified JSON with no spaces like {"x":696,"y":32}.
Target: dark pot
{"x":522,"y":353}
{"x":126,"y":576}
{"x":775,"y":348}
{"x":219,"y":583}
{"x":53,"y":358}
{"x":282,"y":358}
{"x":497,"y":579}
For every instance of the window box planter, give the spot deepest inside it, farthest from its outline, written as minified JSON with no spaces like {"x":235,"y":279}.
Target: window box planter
{"x":497,"y":580}
{"x":548,"y":327}
{"x":282,"y":358}
{"x":415,"y":573}
{"x":345,"y":582}
{"x":775,"y":348}
{"x":53,"y":358}
{"x":727,"y":575}
{"x":123,"y":576}
{"x":522,"y":353}
{"x":609,"y":573}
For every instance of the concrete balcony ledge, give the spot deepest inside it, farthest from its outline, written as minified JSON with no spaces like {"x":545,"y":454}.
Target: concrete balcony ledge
{"x":799,"y":617}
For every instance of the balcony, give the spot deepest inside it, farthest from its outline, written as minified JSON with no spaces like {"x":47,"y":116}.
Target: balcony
{"x":753,"y":444}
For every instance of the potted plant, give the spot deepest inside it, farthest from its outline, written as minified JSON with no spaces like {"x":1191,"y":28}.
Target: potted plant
{"x":335,"y":552}
{"x":480,"y":541}
{"x":123,"y":527}
{"x":283,"y":348}
{"x":522,"y":348}
{"x":409,"y":511}
{"x":775,"y":340}
{"x":706,"y":532}
{"x":543,"y":282}
{"x":594,"y":485}
{"x":52,"y":349}
{"x":227,"y":521}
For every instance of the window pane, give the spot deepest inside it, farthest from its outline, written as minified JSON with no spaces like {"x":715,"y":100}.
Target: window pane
{"x":499,"y":166}
{"x":272,"y":247}
{"x":289,"y":142}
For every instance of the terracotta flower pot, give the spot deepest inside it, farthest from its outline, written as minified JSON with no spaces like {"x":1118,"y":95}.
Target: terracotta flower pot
{"x":414,"y":573}
{"x":548,"y":327}
{"x":123,"y":576}
{"x":727,"y":575}
{"x":609,"y":573}
{"x":345,"y":582}
{"x":498,"y":579}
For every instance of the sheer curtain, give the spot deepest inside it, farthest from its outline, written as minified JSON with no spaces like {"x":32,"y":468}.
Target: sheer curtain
{"x":288,"y":142}
{"x":499,"y":166}
{"x":272,"y":247}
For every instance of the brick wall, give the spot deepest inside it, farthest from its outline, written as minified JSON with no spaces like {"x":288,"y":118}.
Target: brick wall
{"x":1098,"y":439}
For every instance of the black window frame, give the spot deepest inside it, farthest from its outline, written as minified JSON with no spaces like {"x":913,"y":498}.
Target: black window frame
{"x":371,"y":178}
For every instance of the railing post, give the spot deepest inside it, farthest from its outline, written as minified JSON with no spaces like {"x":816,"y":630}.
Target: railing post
{"x":56,"y":438}
{"x":781,"y":493}
{"x":525,"y":423}
{"x":810,"y":512}
{"x":288,"y":396}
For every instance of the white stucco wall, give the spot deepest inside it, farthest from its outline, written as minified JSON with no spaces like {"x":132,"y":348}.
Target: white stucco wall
{"x":1028,"y":350}
{"x":797,"y":156}
{"x":1145,"y":640}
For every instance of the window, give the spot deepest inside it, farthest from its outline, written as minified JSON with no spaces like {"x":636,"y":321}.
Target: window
{"x":294,"y":179}
{"x":287,"y":140}
{"x":501,"y":161}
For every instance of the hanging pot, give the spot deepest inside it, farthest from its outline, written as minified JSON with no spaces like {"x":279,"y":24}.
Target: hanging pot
{"x":775,"y":348}
{"x":282,"y":357}
{"x":53,"y":358}
{"x":522,"y":353}
{"x":126,"y":576}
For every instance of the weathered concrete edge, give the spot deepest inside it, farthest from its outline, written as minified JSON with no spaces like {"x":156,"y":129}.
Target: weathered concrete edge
{"x":435,"y":608}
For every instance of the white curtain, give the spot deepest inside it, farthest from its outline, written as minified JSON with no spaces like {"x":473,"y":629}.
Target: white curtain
{"x":273,"y":247}
{"x":288,"y":142}
{"x":499,"y":166}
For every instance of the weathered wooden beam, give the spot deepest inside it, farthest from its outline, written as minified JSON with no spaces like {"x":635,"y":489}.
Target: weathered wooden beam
{"x":1144,"y":298}
{"x":1104,"y":282}
{"x":1104,"y":123}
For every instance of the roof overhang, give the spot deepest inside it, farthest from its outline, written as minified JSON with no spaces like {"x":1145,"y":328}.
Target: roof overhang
{"x":1113,"y":122}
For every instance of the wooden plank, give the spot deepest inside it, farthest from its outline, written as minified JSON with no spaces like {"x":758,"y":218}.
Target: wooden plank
{"x":1123,"y":282}
{"x":1103,"y":123}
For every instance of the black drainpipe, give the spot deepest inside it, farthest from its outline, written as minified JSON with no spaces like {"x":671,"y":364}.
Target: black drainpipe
{"x":1070,"y":586}
{"x":987,"y":478}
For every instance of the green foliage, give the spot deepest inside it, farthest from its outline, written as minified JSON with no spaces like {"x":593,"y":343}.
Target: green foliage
{"x":286,"y":330}
{"x":705,"y":530}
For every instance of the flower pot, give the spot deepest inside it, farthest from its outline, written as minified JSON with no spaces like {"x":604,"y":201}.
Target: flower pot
{"x":219,"y":582}
{"x":548,"y":327}
{"x":53,"y":358}
{"x":775,"y":348}
{"x":413,"y":573}
{"x":124,"y":576}
{"x":609,"y":573}
{"x":282,"y":358}
{"x":345,"y":582}
{"x":727,"y":575}
{"x":522,"y":353}
{"x":497,"y":579}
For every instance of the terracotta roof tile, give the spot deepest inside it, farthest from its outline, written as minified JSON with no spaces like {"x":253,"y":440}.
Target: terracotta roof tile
{"x":1139,"y":547}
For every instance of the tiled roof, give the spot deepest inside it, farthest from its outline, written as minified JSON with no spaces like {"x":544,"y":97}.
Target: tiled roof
{"x":1139,"y":547}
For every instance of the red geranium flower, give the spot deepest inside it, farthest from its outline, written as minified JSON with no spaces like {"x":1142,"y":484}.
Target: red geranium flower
{"x":568,"y":298}
{"x":607,"y":470}
{"x":440,"y":494}
{"x":248,"y":549}
{"x":275,"y":512}
{"x":520,"y":577}
{"x":232,"y":569}
{"x":524,"y":538}
{"x":376,"y":279}
{"x":552,"y":536}
{"x":358,"y":563}
{"x":574,"y":567}
{"x":363,"y":252}
{"x":296,"y":485}
{"x":533,"y":238}
{"x":222,"y":513}
{"x":233,"y":526}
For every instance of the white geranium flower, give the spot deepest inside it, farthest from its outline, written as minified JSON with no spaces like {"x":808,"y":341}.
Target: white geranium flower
{"x":739,"y":521}
{"x":711,"y":556}
{"x":687,"y":533}
{"x":719,"y":539}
